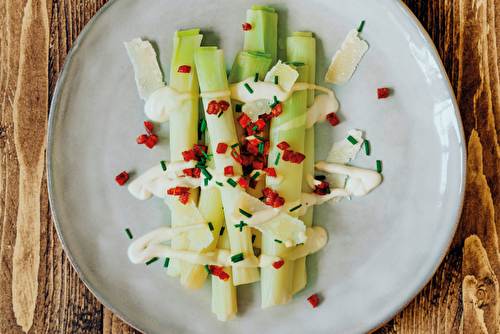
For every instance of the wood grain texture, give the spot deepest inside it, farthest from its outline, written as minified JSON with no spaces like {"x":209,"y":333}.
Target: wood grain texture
{"x":462,"y":297}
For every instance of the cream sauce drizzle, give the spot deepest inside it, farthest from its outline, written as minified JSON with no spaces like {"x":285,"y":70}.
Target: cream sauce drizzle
{"x":156,"y":181}
{"x":262,"y":90}
{"x":360,"y":182}
{"x":165,"y":100}
{"x":150,"y":245}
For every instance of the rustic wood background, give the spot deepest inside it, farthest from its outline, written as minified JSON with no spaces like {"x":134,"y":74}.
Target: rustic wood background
{"x":40,"y":290}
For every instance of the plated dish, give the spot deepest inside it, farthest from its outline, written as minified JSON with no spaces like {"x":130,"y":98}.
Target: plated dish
{"x":383,"y":248}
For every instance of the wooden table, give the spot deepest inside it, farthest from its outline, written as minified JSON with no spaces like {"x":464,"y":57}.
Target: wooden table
{"x":40,"y":290}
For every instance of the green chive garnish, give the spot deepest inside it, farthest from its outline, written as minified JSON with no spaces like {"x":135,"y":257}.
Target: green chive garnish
{"x":367,"y":147}
{"x":237,"y":258}
{"x":222,"y":230}
{"x":210,"y":226}
{"x":244,"y":213}
{"x":274,"y":104}
{"x":379,"y":166}
{"x":207,"y":269}
{"x":247,"y":86}
{"x":238,"y":108}
{"x":328,"y":191}
{"x":275,"y":99}
{"x":352,"y":140}
{"x":219,"y":115}
{"x":256,"y":78}
{"x":205,"y":180}
{"x":275,"y":79}
{"x":277,"y":159}
{"x":262,"y":198}
{"x":129,"y":233}
{"x":259,"y":138}
{"x":204,"y":154}
{"x":295,"y":208}
{"x":278,"y":241}
{"x":361,"y":26}
{"x":167,"y":261}
{"x":240,"y":225}
{"x":151,"y":261}
{"x":220,"y":184}
{"x":255,"y":128}
{"x":261,"y":147}
{"x":203,"y":125}
{"x":163,"y":165}
{"x":207,"y":174}
{"x":256,"y":175}
{"x":235,"y":145}
{"x":232,"y":183}
{"x":253,"y":238}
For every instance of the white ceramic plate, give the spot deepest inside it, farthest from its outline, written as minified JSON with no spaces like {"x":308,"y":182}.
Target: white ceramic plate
{"x":382,"y":248}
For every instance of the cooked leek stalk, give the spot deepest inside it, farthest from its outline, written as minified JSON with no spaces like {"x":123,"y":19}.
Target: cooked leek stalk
{"x":277,"y":283}
{"x":212,"y":77}
{"x":193,"y":276}
{"x":301,"y":47}
{"x":184,"y":121}
{"x":263,"y":36}
{"x":224,"y":292}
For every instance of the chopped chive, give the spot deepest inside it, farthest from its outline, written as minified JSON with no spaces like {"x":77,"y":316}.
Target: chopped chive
{"x":367,"y":147}
{"x":205,"y":181}
{"x":219,"y":115}
{"x":203,"y":125}
{"x":275,"y":79}
{"x":238,"y":108}
{"x":237,"y":258}
{"x":262,"y":198}
{"x":167,"y":261}
{"x":210,"y":226}
{"x":151,"y":261}
{"x":244,"y":213}
{"x":259,"y":138}
{"x":274,"y":104}
{"x":240,"y":225}
{"x":361,"y":26}
{"x":352,"y":140}
{"x":129,"y":233}
{"x":277,"y":159}
{"x":203,"y":160}
{"x":379,"y":166}
{"x":278,"y":241}
{"x":207,"y":174}
{"x":204,"y":154}
{"x":275,"y":99}
{"x":235,"y":145}
{"x":247,"y":86}
{"x":328,"y":191}
{"x":256,"y":175}
{"x":320,"y":177}
{"x":261,"y":147}
{"x":232,"y":183}
{"x":256,"y":78}
{"x":253,"y":238}
{"x":220,"y":184}
{"x":200,"y":166}
{"x":163,"y":165}
{"x":255,"y":128}
{"x":207,"y":269}
{"x":222,"y":230}
{"x":295,"y":208}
